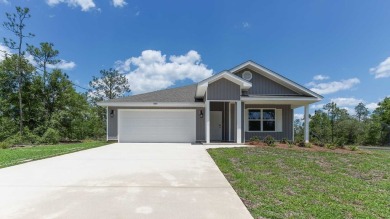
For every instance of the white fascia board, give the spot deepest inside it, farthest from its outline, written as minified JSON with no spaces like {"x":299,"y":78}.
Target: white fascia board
{"x":287,"y":82}
{"x":150,"y":104}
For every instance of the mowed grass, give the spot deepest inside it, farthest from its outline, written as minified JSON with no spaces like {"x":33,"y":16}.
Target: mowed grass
{"x":14,"y":156}
{"x":283,"y":183}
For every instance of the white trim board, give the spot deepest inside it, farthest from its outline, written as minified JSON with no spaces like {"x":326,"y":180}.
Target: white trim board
{"x":151,"y":104}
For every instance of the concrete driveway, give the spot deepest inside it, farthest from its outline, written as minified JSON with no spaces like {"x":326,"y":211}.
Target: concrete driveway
{"x":121,"y":181}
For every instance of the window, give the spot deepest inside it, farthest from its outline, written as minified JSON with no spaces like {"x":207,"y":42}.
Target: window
{"x":268,"y":120}
{"x":254,"y":120}
{"x":261,"y":120}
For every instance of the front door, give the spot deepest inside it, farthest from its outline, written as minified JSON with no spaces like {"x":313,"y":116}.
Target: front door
{"x":216,"y":125}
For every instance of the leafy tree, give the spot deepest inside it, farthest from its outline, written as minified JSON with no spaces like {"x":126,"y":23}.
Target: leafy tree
{"x":16,"y":24}
{"x":320,"y":126}
{"x":44,"y":56}
{"x":361,"y":112}
{"x":332,"y":110}
{"x":111,"y":84}
{"x":382,"y":115}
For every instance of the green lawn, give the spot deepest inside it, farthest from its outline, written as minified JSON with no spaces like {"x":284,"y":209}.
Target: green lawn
{"x":282,"y":183}
{"x":14,"y":156}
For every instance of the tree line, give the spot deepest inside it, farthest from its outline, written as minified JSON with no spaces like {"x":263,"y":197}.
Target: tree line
{"x":38,"y":102}
{"x":335,"y":125}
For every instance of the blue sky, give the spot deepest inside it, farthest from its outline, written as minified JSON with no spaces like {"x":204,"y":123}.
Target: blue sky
{"x":162,"y":44}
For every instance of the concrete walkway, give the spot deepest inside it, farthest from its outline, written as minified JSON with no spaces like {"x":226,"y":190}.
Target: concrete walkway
{"x":121,"y":181}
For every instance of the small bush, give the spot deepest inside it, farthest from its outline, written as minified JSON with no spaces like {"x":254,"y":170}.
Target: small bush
{"x":254,"y":139}
{"x":290,"y":144}
{"x":269,"y":140}
{"x":330,"y":146}
{"x":300,"y":143}
{"x":321,"y":144}
{"x":51,"y":136}
{"x":284,"y":141}
{"x":308,"y":145}
{"x":353,"y":148}
{"x":5,"y":145}
{"x":15,"y":139}
{"x":340,"y":143}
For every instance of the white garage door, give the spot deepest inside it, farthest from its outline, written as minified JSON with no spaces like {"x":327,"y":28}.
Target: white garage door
{"x":164,"y":125}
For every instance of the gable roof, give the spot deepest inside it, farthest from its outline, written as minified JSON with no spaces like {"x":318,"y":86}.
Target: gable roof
{"x":184,"y":94}
{"x":277,"y":78}
{"x":202,"y":86}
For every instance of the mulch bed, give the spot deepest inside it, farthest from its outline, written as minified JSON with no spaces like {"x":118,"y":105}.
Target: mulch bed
{"x":313,"y":148}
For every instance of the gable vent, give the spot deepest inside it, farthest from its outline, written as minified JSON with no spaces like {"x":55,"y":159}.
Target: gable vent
{"x":247,"y":75}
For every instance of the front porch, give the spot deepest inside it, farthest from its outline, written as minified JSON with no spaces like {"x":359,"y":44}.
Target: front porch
{"x":237,"y":121}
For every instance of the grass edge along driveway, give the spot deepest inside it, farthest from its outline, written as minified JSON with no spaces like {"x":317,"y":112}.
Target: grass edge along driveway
{"x":15,"y":156}
{"x":282,"y":183}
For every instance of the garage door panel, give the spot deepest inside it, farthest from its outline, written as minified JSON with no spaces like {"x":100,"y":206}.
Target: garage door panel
{"x":157,"y":125}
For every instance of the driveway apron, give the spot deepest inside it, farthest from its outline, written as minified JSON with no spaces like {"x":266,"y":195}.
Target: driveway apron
{"x":121,"y":181}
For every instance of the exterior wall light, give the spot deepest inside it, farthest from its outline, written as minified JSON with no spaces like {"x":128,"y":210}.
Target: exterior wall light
{"x":201,"y":114}
{"x":112,"y":113}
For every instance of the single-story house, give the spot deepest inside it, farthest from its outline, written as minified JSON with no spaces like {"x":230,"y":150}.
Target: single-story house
{"x":231,"y":106}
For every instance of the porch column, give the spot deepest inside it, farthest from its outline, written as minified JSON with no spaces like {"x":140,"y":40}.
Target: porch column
{"x":207,"y":122}
{"x":238,"y":113}
{"x":307,"y":123}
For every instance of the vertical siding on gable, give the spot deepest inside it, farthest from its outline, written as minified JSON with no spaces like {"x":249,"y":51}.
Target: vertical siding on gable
{"x":287,"y":114}
{"x":223,"y":89}
{"x":264,"y":86}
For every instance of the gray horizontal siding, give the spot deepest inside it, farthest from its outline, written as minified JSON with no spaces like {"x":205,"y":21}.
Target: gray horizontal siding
{"x":223,"y":89}
{"x":264,"y":86}
{"x":287,"y":130}
{"x":112,"y":126}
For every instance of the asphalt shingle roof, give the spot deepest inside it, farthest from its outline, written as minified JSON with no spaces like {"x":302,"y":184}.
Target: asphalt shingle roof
{"x":179,"y":94}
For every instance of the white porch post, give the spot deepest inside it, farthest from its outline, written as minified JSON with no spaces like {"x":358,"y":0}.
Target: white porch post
{"x":307,"y":123}
{"x":207,"y":109}
{"x":238,"y":113}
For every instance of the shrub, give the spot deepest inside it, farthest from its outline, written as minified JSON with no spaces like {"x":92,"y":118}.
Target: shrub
{"x":51,"y":136}
{"x":340,"y":143}
{"x":5,"y":145}
{"x":30,"y":138}
{"x":290,"y":144}
{"x":254,"y":139}
{"x":284,"y":141}
{"x":330,"y":146}
{"x":353,"y":148}
{"x":321,"y":144}
{"x":300,"y":143}
{"x":269,"y":140}
{"x":308,"y":145}
{"x":14,"y":139}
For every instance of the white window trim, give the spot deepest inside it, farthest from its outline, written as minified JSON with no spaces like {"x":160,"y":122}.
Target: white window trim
{"x":261,"y":119}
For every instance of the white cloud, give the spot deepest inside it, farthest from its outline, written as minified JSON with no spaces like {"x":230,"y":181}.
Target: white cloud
{"x":372,"y":106}
{"x":334,"y":86}
{"x":298,"y":116}
{"x":349,"y":101}
{"x":382,"y":70}
{"x":4,"y":1}
{"x":245,"y":25}
{"x":63,"y":64}
{"x":4,"y":51}
{"x":85,"y":5}
{"x":152,"y":71}
{"x":317,"y":106}
{"x":137,"y":13}
{"x":119,"y":3}
{"x":320,"y":77}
